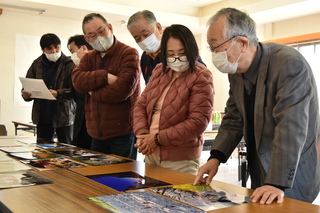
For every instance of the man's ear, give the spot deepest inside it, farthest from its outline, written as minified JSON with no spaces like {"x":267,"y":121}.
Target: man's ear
{"x":159,"y":27}
{"x":110,"y":27}
{"x":245,"y":43}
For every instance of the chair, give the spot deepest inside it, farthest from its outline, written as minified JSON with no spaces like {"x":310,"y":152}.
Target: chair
{"x":3,"y":130}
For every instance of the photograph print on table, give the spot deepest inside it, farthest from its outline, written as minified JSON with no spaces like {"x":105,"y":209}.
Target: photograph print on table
{"x":21,"y":178}
{"x":74,"y":152}
{"x":202,"y":196}
{"x":42,"y":153}
{"x":125,"y":181}
{"x":140,"y":202}
{"x":52,"y":163}
{"x":54,"y":145}
{"x":101,"y":160}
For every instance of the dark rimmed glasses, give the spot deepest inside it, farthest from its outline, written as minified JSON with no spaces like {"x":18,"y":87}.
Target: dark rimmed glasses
{"x":214,"y":49}
{"x":93,"y":36}
{"x":173,"y":59}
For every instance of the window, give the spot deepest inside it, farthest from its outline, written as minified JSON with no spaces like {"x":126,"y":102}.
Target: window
{"x":312,"y":54}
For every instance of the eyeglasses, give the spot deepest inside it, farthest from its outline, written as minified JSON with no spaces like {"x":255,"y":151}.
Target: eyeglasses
{"x":173,"y":59}
{"x":93,"y":36}
{"x":214,"y":49}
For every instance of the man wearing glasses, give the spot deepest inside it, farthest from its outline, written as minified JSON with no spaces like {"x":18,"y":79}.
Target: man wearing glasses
{"x":110,"y":76}
{"x":273,"y":104}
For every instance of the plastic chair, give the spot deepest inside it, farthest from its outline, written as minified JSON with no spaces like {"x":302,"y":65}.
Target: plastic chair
{"x":3,"y":130}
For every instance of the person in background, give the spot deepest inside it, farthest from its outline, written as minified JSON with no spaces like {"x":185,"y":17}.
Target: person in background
{"x":78,"y":46}
{"x":273,"y":103}
{"x":147,"y":32}
{"x":110,"y":77}
{"x":53,"y":116}
{"x":175,"y":108}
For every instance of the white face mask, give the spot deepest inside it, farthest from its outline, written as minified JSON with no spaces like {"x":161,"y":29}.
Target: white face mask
{"x":53,"y":56}
{"x":151,"y":44}
{"x":103,"y":43}
{"x":75,"y":58}
{"x":221,"y":62}
{"x":179,"y":66}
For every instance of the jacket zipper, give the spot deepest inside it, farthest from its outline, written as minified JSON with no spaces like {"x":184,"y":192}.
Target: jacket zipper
{"x":99,"y":121}
{"x":98,"y":105}
{"x":161,"y":109}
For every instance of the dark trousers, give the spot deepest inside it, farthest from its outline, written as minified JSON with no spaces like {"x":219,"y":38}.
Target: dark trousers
{"x":46,"y":133}
{"x":134,"y":151}
{"x":83,"y":139}
{"x":120,"y":145}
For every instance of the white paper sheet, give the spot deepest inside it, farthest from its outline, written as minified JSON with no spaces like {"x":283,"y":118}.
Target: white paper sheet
{"x":37,"y":88}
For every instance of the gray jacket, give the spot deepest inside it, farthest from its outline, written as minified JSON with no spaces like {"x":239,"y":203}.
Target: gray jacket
{"x":64,"y":107}
{"x":286,"y":119}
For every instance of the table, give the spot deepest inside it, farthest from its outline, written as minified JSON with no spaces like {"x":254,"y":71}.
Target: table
{"x":70,"y":189}
{"x":209,"y":136}
{"x":25,"y":126}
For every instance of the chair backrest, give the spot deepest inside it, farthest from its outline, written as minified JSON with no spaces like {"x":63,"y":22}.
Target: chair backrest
{"x":3,"y":130}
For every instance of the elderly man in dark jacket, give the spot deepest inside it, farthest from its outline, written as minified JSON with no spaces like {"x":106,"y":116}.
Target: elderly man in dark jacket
{"x":55,"y":69}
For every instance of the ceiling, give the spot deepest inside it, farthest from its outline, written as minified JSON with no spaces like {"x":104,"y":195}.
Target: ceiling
{"x":192,"y":13}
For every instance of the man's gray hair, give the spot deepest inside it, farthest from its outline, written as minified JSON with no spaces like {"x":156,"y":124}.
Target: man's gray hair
{"x":238,"y":23}
{"x":146,"y":14}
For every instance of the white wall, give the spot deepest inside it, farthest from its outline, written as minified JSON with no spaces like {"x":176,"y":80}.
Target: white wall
{"x":287,"y":28}
{"x":36,"y":25}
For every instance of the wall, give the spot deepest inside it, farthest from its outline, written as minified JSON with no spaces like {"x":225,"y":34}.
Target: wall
{"x":12,"y":23}
{"x":287,"y":28}
{"x":16,"y":23}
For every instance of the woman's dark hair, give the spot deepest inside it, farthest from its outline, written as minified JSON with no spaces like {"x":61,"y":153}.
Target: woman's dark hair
{"x":187,"y":39}
{"x":49,"y":39}
{"x":79,"y":41}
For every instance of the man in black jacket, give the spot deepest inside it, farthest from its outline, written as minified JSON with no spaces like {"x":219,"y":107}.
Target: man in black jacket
{"x":78,"y":46}
{"x":53,"y":116}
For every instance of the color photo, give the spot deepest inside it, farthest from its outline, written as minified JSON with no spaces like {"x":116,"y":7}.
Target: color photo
{"x":125,"y":181}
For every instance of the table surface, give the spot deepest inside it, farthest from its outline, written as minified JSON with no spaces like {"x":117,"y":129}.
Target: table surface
{"x":70,"y":188}
{"x":210,"y":134}
{"x":24,"y":123}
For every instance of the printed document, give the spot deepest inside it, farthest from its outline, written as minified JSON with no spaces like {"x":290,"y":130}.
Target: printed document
{"x":37,"y":88}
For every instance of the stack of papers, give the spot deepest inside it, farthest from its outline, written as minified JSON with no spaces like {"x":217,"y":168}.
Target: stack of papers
{"x":37,"y":88}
